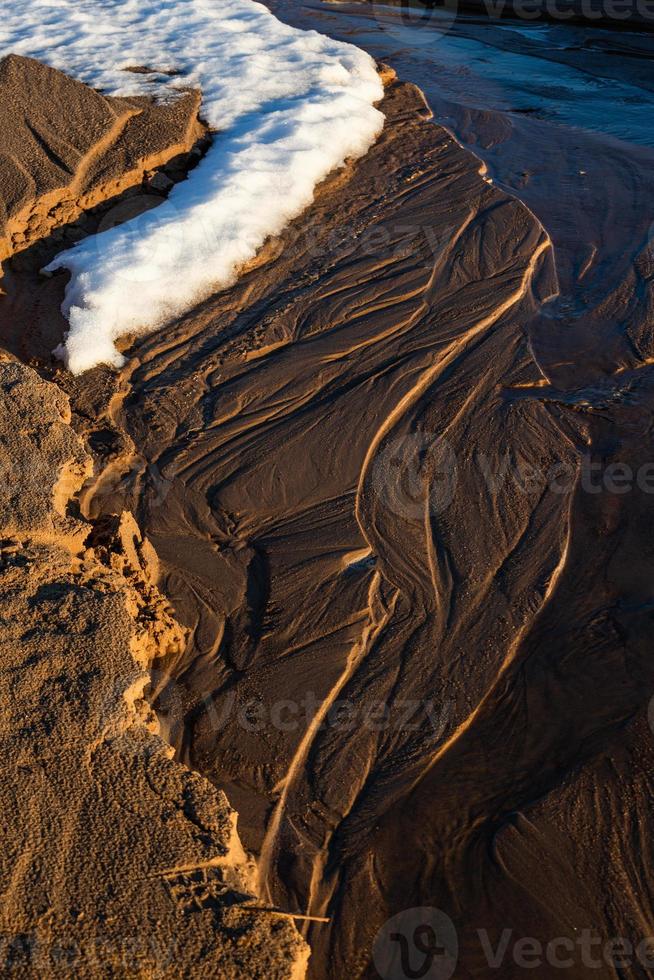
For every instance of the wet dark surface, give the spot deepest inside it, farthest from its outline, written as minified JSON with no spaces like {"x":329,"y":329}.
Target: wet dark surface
{"x":365,"y":469}
{"x":562,"y":116}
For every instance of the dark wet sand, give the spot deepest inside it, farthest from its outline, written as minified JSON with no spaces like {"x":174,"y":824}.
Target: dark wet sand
{"x":284,"y":470}
{"x":266,"y":428}
{"x":310,"y":453}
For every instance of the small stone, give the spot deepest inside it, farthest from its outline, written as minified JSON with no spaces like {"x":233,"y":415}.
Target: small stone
{"x":161,"y":183}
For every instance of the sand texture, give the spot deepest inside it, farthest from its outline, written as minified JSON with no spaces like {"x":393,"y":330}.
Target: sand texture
{"x":116,"y":860}
{"x":261,"y":457}
{"x":66,"y":148}
{"x":278,"y":446}
{"x":291,"y":106}
{"x":328,"y":461}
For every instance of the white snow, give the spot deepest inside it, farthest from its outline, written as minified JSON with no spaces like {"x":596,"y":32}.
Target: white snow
{"x":290,"y":106}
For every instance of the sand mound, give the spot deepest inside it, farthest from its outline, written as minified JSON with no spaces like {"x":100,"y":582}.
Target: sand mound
{"x":67,"y":148}
{"x":116,"y":860}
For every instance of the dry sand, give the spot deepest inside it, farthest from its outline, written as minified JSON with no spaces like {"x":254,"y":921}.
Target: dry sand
{"x":66,"y":148}
{"x":276,"y":447}
{"x":73,"y":162}
{"x":116,"y":860}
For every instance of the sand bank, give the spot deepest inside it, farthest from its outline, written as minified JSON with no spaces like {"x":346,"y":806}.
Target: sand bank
{"x":67,"y":148}
{"x":116,"y":860}
{"x":256,"y":441}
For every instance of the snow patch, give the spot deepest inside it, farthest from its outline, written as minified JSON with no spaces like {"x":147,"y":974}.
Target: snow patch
{"x":289,"y":107}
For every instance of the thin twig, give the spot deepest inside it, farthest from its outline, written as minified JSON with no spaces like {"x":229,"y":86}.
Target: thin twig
{"x":288,"y":915}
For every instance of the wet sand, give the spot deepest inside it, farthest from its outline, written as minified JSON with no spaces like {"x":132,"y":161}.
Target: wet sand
{"x":364,"y":471}
{"x":561,"y":117}
{"x":281,"y":460}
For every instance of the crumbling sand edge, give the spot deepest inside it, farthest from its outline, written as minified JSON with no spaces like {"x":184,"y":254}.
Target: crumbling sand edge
{"x":111,"y":848}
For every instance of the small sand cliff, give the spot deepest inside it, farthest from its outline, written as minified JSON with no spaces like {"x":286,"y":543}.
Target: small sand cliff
{"x":67,"y":148}
{"x":116,"y":861}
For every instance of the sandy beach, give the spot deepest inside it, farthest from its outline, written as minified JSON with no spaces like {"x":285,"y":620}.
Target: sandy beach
{"x":326,"y":595}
